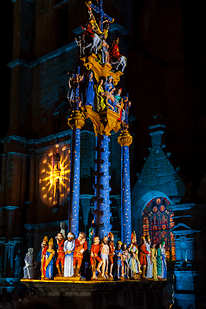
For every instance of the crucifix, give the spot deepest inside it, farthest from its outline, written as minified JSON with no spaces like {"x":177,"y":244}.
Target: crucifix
{"x":100,"y":11}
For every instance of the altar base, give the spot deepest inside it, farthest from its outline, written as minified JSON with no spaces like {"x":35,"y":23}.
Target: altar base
{"x":133,"y":294}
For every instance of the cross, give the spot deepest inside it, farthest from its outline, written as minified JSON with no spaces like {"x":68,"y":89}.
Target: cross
{"x":100,"y":11}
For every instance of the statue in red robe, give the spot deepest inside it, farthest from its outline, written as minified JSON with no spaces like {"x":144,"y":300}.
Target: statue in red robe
{"x":80,"y":248}
{"x":143,"y":255}
{"x":61,"y":254}
{"x":114,"y":50}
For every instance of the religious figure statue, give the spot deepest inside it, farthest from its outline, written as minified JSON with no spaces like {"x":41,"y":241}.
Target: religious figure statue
{"x":80,"y":248}
{"x":109,"y":89}
{"x":69,"y":246}
{"x":119,"y":105}
{"x":89,"y":90}
{"x":164,"y":262}
{"x":114,"y":50}
{"x":117,"y":60}
{"x":119,"y":259}
{"x":159,"y":261}
{"x":105,"y":51}
{"x":125,"y":260}
{"x":111,"y":252}
{"x":60,"y":254}
{"x":91,"y":37}
{"x":154,"y":261}
{"x":125,"y":112}
{"x":134,"y":262}
{"x":149,"y":262}
{"x":100,"y":96}
{"x":143,"y":256}
{"x":74,"y":95}
{"x":94,"y":255}
{"x":29,"y":269}
{"x":104,"y":258}
{"x":44,"y":246}
{"x":50,"y":256}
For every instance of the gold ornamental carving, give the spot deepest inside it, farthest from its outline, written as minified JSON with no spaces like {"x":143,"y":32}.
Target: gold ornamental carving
{"x":94,"y":117}
{"x":125,"y":139}
{"x":76,"y":120}
{"x":103,"y":122}
{"x":101,"y":70}
{"x":109,"y":120}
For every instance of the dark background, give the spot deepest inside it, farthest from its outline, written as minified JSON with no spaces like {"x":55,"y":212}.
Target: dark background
{"x":192,"y":163}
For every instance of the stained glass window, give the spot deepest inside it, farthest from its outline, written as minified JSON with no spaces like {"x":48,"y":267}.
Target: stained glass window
{"x":157,"y":221}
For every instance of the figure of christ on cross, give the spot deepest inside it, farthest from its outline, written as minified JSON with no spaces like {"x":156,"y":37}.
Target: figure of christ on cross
{"x":100,"y":11}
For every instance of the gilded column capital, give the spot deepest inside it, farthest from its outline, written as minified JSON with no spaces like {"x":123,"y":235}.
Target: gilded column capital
{"x":76,"y":120}
{"x":125,"y":139}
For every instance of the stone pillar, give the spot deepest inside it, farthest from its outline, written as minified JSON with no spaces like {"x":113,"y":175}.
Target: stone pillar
{"x":9,"y":258}
{"x":125,"y":140}
{"x":102,"y":203}
{"x":76,"y":122}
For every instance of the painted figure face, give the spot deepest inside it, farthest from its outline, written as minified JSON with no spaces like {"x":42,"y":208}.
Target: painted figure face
{"x":80,"y":236}
{"x":44,"y":243}
{"x":51,"y":246}
{"x":96,"y":240}
{"x":134,"y":240}
{"x":105,"y":240}
{"x":59,"y":236}
{"x":124,"y":246}
{"x":30,"y":251}
{"x":119,"y":92}
{"x":70,"y":236}
{"x":82,"y":240}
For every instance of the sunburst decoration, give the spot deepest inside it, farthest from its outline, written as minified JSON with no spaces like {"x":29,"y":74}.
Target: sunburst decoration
{"x":55,"y":178}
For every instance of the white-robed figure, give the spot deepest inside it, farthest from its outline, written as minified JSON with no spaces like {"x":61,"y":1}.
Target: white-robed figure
{"x":69,"y":246}
{"x":149,"y":262}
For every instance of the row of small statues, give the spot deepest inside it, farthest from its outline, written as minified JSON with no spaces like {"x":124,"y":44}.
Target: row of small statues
{"x":133,"y":261}
{"x":99,"y":95}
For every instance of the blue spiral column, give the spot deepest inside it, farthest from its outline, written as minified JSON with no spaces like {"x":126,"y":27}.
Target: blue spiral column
{"x":102,"y":189}
{"x":125,"y":140}
{"x":73,"y":225}
{"x":76,"y":122}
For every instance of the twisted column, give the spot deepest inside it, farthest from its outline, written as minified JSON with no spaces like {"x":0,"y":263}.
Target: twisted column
{"x":76,"y":122}
{"x":125,"y":140}
{"x":102,"y":202}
